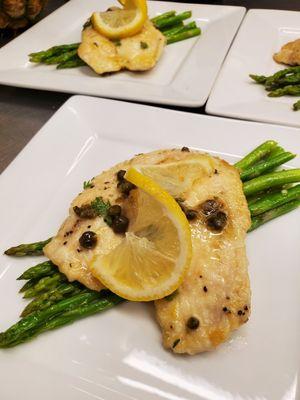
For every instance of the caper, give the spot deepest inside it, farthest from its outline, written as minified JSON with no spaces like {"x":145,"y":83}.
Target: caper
{"x":88,"y":240}
{"x":85,"y":211}
{"x":121,"y":174}
{"x":125,"y":187}
{"x":193,"y":323}
{"x":217,"y":221}
{"x":120,"y":224}
{"x":191,"y":214}
{"x":114,"y":211}
{"x":185,"y":149}
{"x":210,"y":207}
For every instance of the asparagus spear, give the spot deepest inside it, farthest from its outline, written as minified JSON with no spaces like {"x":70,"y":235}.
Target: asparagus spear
{"x":35,"y":320}
{"x":261,"y":219}
{"x":281,"y":74}
{"x":45,"y":284}
{"x":163,"y":16}
{"x":180,"y":28}
{"x":272,"y":179}
{"x":266,"y":165}
{"x":60,"y":58}
{"x":31,"y":249}
{"x":296,"y":106}
{"x":261,"y":79}
{"x":41,"y":56}
{"x":290,"y":90}
{"x":28,"y":285}
{"x":287,"y":80}
{"x":73,"y":62}
{"x":51,"y":297}
{"x":168,"y":22}
{"x":274,"y":200}
{"x":256,"y":155}
{"x":183,"y":35}
{"x":40,"y":270}
{"x":92,"y":305}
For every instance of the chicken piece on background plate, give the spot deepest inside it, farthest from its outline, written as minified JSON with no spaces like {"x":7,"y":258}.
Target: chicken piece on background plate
{"x":289,"y":53}
{"x":140,"y":52}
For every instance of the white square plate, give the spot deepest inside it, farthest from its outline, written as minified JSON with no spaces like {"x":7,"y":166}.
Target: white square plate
{"x":118,"y":355}
{"x":234,"y":94}
{"x":184,"y":75}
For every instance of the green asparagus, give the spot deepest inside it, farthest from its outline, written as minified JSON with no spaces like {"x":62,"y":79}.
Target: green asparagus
{"x":165,"y":15}
{"x":261,"y":219}
{"x":40,"y":270}
{"x":71,"y":63}
{"x":183,"y":35}
{"x":61,"y":58}
{"x":31,"y":249}
{"x":35,"y":320}
{"x":261,"y":79}
{"x":272,"y":179}
{"x":256,"y":155}
{"x":274,"y":200}
{"x":28,"y":285}
{"x":45,"y":284}
{"x":267,"y":165}
{"x":41,"y":56}
{"x":290,"y":90}
{"x":173,"y":20}
{"x":46,"y":299}
{"x":180,"y":28}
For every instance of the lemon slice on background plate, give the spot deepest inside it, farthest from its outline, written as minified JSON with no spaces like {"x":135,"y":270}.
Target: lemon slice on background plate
{"x":125,"y":22}
{"x":152,"y":259}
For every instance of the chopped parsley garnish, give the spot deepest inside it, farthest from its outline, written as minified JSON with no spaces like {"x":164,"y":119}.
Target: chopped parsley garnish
{"x":88,"y":184}
{"x":101,"y":208}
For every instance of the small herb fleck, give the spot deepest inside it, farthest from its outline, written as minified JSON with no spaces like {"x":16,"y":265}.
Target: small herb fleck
{"x":175,"y":343}
{"x":171,"y":296}
{"x":87,"y":184}
{"x":240,"y":312}
{"x":144,"y":45}
{"x":118,"y":43}
{"x":205,"y":289}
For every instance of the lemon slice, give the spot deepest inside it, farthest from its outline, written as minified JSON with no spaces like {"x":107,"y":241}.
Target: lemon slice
{"x":118,"y":24}
{"x":151,"y":261}
{"x":179,"y":176}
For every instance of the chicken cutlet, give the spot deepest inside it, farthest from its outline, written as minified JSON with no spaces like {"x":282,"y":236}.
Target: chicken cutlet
{"x":289,"y":53}
{"x":140,"y":52}
{"x":214,"y":298}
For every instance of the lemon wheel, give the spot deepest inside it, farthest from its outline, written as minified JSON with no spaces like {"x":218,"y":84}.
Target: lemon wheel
{"x":151,"y":260}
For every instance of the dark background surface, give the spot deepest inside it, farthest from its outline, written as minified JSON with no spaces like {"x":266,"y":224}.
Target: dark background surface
{"x":23,"y":112}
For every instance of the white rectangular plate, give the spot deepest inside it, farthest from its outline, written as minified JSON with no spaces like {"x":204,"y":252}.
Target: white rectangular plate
{"x":183,"y":76}
{"x":118,"y":354}
{"x":234,"y":94}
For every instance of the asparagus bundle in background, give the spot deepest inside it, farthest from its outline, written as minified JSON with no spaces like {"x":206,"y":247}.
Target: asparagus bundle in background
{"x":170,"y":24}
{"x":285,"y":82}
{"x":56,"y":302}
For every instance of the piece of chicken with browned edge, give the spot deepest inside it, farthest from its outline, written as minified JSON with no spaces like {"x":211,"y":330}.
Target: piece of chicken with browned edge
{"x":140,"y":52}
{"x":215,"y":296}
{"x":289,"y":53}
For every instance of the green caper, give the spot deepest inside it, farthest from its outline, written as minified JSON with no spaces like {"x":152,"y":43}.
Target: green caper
{"x":217,"y":221}
{"x":114,"y":211}
{"x":193,"y":323}
{"x":88,"y":240}
{"x":210,"y":207}
{"x":120,"y":224}
{"x":125,"y":187}
{"x":85,"y":211}
{"x":121,"y":174}
{"x":191,"y":214}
